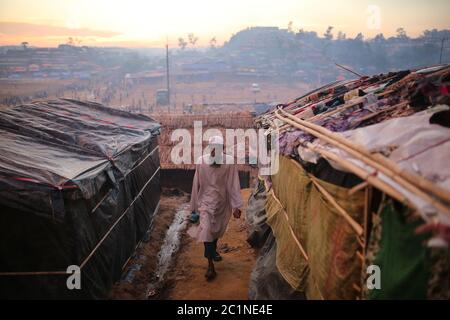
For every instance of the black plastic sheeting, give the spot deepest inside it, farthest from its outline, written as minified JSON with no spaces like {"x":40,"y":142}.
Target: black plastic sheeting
{"x":79,"y":184}
{"x":257,"y":228}
{"x":266,"y":282}
{"x":325,"y":172}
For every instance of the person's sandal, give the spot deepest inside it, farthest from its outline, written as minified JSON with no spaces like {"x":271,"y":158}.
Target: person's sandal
{"x":210,"y":275}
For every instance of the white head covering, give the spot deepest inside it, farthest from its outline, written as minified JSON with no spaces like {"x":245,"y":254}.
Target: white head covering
{"x":215,"y":140}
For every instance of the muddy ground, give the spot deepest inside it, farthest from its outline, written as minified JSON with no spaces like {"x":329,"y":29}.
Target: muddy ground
{"x":146,"y":254}
{"x":185,"y":278}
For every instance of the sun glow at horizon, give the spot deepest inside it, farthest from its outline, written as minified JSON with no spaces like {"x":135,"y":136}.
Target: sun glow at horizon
{"x":138,"y":23}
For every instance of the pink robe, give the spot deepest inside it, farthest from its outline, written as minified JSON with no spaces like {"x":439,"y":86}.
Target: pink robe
{"x":215,"y":193}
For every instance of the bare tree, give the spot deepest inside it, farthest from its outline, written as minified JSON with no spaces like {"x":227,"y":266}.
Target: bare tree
{"x":24,"y":45}
{"x":74,"y":41}
{"x":213,"y":42}
{"x":328,"y":34}
{"x":341,"y":36}
{"x":182,"y":43}
{"x":401,"y":33}
{"x":192,"y":39}
{"x":379,"y":38}
{"x":359,"y":37}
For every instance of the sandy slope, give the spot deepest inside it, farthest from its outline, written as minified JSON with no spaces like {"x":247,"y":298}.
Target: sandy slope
{"x":187,"y":276}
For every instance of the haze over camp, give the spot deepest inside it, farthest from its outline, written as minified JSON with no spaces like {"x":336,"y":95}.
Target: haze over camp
{"x":138,"y":23}
{"x":202,"y":151}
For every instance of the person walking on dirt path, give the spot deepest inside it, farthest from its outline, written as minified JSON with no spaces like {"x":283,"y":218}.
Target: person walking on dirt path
{"x":215,"y":196}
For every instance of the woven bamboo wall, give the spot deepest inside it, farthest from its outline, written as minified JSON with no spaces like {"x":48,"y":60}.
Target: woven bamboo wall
{"x":241,"y":120}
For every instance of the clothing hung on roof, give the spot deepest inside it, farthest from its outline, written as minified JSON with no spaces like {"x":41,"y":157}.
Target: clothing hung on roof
{"x":411,"y":142}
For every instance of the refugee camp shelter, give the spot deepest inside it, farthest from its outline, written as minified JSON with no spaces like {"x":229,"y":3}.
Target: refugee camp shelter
{"x":79,"y":186}
{"x":362,"y":164}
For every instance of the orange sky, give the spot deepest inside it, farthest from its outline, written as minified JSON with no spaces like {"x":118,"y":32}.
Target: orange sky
{"x":144,"y":23}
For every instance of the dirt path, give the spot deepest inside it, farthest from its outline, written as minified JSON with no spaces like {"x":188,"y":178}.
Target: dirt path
{"x":187,"y":275}
{"x":185,"y":279}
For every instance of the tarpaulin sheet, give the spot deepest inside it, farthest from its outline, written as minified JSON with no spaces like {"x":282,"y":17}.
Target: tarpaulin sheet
{"x":408,"y":268}
{"x":299,"y":214}
{"x":255,"y":216}
{"x":78,"y":134}
{"x":79,"y":184}
{"x":266,"y":282}
{"x":400,"y":254}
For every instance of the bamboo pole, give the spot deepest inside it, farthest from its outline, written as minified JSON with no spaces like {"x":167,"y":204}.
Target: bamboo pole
{"x":302,"y":250}
{"x":377,"y":158}
{"x":385,"y":93}
{"x":297,"y":242}
{"x":367,"y":207}
{"x":360,"y":256}
{"x":363,"y":174}
{"x":357,"y":188}
{"x":360,"y":242}
{"x":344,"y":107}
{"x":362,"y":154}
{"x":356,"y":287}
{"x":367,"y":176}
{"x":334,"y":111}
{"x":353,"y":224}
{"x":373,"y":115}
{"x":422,"y":183}
{"x":368,"y":117}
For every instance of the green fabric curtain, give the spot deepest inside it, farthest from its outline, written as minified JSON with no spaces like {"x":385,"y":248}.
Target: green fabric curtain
{"x":402,"y":256}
